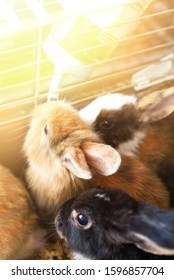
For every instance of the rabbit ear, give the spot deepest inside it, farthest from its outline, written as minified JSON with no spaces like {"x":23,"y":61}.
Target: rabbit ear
{"x":157,"y":105}
{"x":74,"y":160}
{"x":103,"y":158}
{"x":151,"y":230}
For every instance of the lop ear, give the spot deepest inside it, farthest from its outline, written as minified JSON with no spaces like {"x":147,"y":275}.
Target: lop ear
{"x":156,"y":239}
{"x":157,"y":105}
{"x":74,"y":160}
{"x":150,"y":229}
{"x":103,"y":158}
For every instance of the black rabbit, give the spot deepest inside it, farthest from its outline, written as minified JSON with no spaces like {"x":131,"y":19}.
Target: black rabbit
{"x":105,"y":223}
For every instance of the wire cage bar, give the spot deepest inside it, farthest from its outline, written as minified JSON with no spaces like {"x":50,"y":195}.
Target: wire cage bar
{"x":142,"y":60}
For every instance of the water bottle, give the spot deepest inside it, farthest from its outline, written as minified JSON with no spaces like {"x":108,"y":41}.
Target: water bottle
{"x":88,"y":35}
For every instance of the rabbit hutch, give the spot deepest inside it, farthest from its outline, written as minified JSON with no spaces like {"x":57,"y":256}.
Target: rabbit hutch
{"x":77,"y":50}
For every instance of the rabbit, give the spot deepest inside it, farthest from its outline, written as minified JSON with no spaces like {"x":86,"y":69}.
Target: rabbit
{"x":58,"y":148}
{"x":22,"y":236}
{"x":103,"y":223}
{"x":138,"y":127}
{"x":65,"y":157}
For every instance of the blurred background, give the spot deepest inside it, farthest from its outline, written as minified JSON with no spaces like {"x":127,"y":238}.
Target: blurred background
{"x":77,"y":50}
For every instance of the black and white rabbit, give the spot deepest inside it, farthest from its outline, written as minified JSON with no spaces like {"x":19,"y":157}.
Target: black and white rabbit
{"x":105,"y":223}
{"x":138,"y":127}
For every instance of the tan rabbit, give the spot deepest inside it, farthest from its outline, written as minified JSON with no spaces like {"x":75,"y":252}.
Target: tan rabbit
{"x":65,"y":157}
{"x":20,"y":233}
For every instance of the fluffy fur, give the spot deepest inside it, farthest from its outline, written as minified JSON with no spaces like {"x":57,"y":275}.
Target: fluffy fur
{"x":21,"y":234}
{"x":48,"y":179}
{"x":65,"y":157}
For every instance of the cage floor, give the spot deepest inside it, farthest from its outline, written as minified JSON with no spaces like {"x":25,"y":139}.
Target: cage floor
{"x":54,"y":250}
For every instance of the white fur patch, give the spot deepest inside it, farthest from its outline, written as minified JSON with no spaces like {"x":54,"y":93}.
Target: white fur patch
{"x":108,"y":101}
{"x":129,"y":148}
{"x":102,"y":196}
{"x":79,"y":256}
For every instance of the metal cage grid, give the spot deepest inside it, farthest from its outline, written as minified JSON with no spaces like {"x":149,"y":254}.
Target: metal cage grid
{"x":130,"y":68}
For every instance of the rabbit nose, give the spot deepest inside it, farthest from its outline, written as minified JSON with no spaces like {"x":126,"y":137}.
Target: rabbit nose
{"x":59,"y":226}
{"x":58,"y":222}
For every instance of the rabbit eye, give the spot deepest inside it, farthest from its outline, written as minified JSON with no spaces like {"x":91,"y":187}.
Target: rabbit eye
{"x":82,"y":220}
{"x":106,"y":124}
{"x":46,"y":129}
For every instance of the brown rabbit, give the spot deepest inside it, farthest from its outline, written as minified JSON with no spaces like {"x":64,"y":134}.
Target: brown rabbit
{"x":65,"y":157}
{"x":21,"y":234}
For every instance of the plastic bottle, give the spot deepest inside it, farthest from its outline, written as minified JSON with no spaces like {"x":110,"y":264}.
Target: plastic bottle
{"x":89,"y":34}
